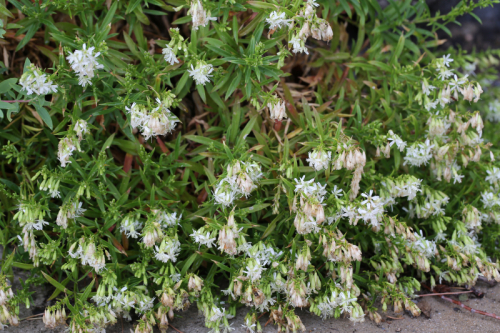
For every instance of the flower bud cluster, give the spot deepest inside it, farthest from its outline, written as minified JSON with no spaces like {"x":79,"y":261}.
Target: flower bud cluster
{"x":286,"y":320}
{"x":8,"y":313}
{"x":312,"y":25}
{"x":336,"y":248}
{"x":159,"y":121}
{"x":308,"y":204}
{"x":131,"y":225}
{"x":70,"y":210}
{"x":89,"y":254}
{"x":277,"y":111}
{"x":240,"y":180}
{"x":200,"y":16}
{"x":54,"y":316}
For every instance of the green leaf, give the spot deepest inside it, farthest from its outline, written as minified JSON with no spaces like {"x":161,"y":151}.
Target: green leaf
{"x":87,"y":291}
{"x":188,"y":264}
{"x":44,"y":114}
{"x":56,"y":284}
{"x":110,"y":14}
{"x":270,"y":228}
{"x":23,"y":265}
{"x":57,"y":291}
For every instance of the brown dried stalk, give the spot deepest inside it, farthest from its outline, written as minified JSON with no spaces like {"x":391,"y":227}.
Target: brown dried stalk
{"x":462,"y":305}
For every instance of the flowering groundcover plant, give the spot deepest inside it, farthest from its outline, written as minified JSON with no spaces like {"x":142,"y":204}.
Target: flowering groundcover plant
{"x":323,"y":155}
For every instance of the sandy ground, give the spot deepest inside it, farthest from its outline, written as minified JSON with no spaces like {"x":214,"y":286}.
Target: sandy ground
{"x":445,"y":317}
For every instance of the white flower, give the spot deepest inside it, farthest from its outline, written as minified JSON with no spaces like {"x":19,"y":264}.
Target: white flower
{"x":319,"y":159}
{"x":372,"y":209}
{"x":418,"y":154}
{"x":160,"y":121}
{"x":427,"y":88}
{"x":224,"y":194}
{"x":84,"y":63}
{"x":176,"y":277}
{"x":395,"y":139}
{"x":35,"y":226}
{"x":81,"y":128}
{"x":444,"y":73}
{"x":34,"y":81}
{"x":298,"y":45}
{"x":489,"y":199}
{"x":168,"y":251}
{"x":337,"y":192}
{"x":455,"y":83}
{"x":66,"y":149}
{"x":217,"y":313}
{"x":431,"y":105}
{"x":203,"y":238}
{"x":76,"y":210}
{"x":137,"y":114}
{"x":201,"y":74}
{"x":425,"y":247}
{"x":169,"y":55}
{"x":276,"y":21}
{"x":130,"y":226}
{"x":493,"y":175}
{"x":254,"y":270}
{"x":447,"y":60}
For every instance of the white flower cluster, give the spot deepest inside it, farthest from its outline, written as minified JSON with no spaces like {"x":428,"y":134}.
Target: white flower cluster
{"x":419,"y":154}
{"x":81,"y":128}
{"x":201,"y":73}
{"x":277,"y":20}
{"x":8,"y":314}
{"x":159,"y":121}
{"x":203,"y":237}
{"x":89,"y":254}
{"x":84,"y":63}
{"x":254,"y":270}
{"x":263,"y":254}
{"x":227,"y":236}
{"x":69,"y":211}
{"x":169,"y":55}
{"x":452,"y":86}
{"x":308,"y":204}
{"x":166,"y":220}
{"x":66,"y":148}
{"x":35,"y":81}
{"x":312,"y":25}
{"x":425,"y":247}
{"x":493,"y":176}
{"x":433,"y":205}
{"x":403,"y":186}
{"x":241,"y":179}
{"x":319,"y":159}
{"x":371,"y":210}
{"x":490,"y":199}
{"x":342,"y":300}
{"x":396,"y":139}
{"x":130,"y":226}
{"x":200,"y":17}
{"x":168,"y":250}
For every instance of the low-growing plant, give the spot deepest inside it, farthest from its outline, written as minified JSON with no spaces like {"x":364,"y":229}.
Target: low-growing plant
{"x":271,"y":155}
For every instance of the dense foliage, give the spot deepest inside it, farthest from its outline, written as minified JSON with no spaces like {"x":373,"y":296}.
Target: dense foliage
{"x":268,"y":154}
